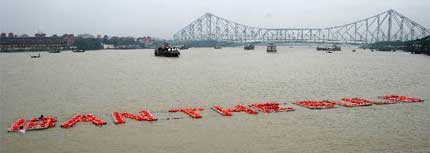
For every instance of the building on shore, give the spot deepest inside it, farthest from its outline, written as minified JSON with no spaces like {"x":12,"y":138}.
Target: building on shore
{"x":37,"y":43}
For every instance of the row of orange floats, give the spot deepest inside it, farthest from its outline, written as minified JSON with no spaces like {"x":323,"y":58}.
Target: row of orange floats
{"x":189,"y":111}
{"x":83,"y":118}
{"x":267,"y":107}
{"x":403,"y":99}
{"x":270,"y":107}
{"x":313,"y":104}
{"x":145,"y":115}
{"x":355,"y":102}
{"x":237,"y":108}
{"x":33,"y":124}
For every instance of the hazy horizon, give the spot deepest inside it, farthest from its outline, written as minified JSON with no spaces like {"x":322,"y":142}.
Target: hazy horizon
{"x":162,"y":18}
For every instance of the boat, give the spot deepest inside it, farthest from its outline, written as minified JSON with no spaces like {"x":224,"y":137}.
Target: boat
{"x":353,"y":50}
{"x":329,"y":52}
{"x":78,"y":51}
{"x":333,"y":48}
{"x":271,"y":48}
{"x":249,"y":47}
{"x":54,"y":51}
{"x":218,"y":47}
{"x":167,"y":51}
{"x":35,"y":56}
{"x":183,"y":47}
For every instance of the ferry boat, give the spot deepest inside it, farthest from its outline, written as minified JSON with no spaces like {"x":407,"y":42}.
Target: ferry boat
{"x":249,"y":47}
{"x":167,"y":51}
{"x":333,"y":48}
{"x":271,"y":48}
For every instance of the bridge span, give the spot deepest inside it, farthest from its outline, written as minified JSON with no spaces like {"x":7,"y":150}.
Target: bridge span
{"x":386,"y":26}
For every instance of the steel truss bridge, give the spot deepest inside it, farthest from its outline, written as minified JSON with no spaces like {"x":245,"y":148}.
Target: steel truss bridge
{"x":387,"y":26}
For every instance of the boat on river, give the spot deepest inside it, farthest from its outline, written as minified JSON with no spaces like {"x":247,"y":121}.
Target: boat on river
{"x":167,"y":51}
{"x":78,"y":50}
{"x":54,"y":51}
{"x":35,"y":56}
{"x":249,"y":47}
{"x":271,"y":48}
{"x":332,"y":48}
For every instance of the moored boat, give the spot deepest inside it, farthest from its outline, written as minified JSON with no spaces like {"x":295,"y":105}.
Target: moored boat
{"x":271,"y":48}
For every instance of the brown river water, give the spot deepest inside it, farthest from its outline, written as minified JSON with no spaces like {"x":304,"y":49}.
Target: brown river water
{"x":101,"y":82}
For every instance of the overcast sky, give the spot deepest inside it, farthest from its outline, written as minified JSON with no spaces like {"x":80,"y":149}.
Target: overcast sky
{"x":162,"y":18}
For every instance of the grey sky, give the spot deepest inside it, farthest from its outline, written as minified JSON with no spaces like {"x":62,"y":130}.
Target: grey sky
{"x":162,"y":18}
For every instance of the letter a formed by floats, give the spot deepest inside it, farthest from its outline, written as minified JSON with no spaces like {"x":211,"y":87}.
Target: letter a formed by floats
{"x":83,"y":118}
{"x":237,"y":108}
{"x":145,"y":115}
{"x":33,"y":124}
{"x":192,"y":112}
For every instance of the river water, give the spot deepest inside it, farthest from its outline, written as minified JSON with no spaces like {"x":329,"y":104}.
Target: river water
{"x":101,"y":82}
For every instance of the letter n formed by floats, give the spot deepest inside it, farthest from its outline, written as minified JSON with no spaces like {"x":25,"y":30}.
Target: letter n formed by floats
{"x":237,"y":108}
{"x":33,"y":124}
{"x":83,"y":118}
{"x":145,"y":115}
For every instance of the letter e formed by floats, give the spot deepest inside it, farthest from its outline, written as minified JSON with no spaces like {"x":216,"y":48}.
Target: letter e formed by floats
{"x":83,"y":118}
{"x":145,"y":115}
{"x":192,"y":112}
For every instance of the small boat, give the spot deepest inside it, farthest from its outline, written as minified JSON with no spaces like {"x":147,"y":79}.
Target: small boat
{"x":329,"y":52}
{"x":35,"y":56}
{"x":353,"y":50}
{"x":78,"y":51}
{"x":167,"y":51}
{"x":218,"y":47}
{"x":271,"y":48}
{"x":54,"y":51}
{"x":183,"y":47}
{"x":249,"y":47}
